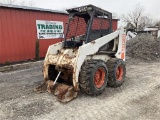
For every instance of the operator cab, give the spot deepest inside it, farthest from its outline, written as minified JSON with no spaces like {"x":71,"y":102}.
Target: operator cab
{"x":86,"y":23}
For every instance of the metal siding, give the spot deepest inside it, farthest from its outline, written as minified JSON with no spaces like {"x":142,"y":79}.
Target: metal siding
{"x":81,"y":27}
{"x":19,"y":35}
{"x":13,"y":36}
{"x":31,"y":42}
{"x":21,"y":32}
{"x":97,"y":24}
{"x":18,"y":43}
{"x":114,"y":24}
{"x":5,"y":38}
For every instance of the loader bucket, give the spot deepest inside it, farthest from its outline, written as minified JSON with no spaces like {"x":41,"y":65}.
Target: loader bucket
{"x":64,"y":92}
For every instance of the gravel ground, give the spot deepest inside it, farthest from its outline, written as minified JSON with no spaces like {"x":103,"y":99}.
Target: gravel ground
{"x":137,"y":99}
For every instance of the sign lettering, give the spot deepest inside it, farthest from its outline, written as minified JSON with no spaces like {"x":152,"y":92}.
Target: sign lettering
{"x":49,"y":29}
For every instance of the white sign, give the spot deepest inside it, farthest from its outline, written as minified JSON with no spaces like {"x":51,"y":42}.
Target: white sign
{"x":49,"y":29}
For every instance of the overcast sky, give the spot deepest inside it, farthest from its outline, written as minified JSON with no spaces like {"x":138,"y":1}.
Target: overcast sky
{"x":117,"y":6}
{"x":152,"y":7}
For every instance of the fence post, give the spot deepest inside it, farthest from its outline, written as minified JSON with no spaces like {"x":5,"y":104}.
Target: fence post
{"x":37,"y":50}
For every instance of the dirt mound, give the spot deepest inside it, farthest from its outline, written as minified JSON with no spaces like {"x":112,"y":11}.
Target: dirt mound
{"x":144,"y":47}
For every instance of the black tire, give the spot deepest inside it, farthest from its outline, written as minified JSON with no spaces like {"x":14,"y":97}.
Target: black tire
{"x":88,"y":79}
{"x":116,"y":79}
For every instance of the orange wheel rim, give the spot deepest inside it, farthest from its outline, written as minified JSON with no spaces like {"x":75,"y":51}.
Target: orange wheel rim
{"x":99,"y":77}
{"x":119,"y":73}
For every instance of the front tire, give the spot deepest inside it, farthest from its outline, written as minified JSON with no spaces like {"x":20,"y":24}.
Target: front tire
{"x":93,"y":77}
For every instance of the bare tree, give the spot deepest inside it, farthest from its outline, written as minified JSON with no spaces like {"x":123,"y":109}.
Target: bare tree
{"x":18,"y":2}
{"x":8,"y":1}
{"x":145,"y":21}
{"x":23,"y":3}
{"x":26,"y":3}
{"x":157,"y":23}
{"x":30,"y":3}
{"x":114,"y":16}
{"x":133,"y":17}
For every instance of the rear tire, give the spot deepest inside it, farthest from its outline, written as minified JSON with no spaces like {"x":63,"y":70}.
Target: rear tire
{"x":93,"y":77}
{"x":116,"y":72}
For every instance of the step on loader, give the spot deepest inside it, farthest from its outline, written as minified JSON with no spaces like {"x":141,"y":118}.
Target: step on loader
{"x":90,"y":57}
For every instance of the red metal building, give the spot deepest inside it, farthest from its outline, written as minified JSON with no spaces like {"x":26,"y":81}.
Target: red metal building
{"x":18,"y":32}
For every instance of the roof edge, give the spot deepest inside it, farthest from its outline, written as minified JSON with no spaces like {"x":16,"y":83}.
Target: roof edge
{"x":35,"y":9}
{"x":31,"y":8}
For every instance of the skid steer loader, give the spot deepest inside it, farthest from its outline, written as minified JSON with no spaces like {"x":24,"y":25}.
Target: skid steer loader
{"x":91,"y":56}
